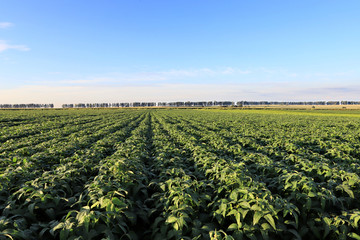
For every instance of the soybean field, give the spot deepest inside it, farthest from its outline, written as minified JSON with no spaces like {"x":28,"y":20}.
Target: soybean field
{"x":179,"y":174}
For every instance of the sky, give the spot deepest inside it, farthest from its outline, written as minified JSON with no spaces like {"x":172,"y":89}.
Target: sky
{"x":181,"y":50}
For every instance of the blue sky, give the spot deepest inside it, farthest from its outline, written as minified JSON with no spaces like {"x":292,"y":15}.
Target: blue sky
{"x":114,"y":51}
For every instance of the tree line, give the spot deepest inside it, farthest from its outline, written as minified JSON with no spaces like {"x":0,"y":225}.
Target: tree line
{"x":206,"y":104}
{"x":178,"y":104}
{"x":29,"y":105}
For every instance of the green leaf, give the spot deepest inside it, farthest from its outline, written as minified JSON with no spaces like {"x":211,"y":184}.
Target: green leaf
{"x":244,"y":213}
{"x":270,"y":220}
{"x":31,"y":208}
{"x":238,"y":235}
{"x":327,"y":221}
{"x":238,"y":219}
{"x":176,"y":226}
{"x":233,"y":195}
{"x":171,"y":219}
{"x":257,"y":217}
{"x":86,"y":223}
{"x":251,"y":236}
{"x":232,"y":227}
{"x":346,"y":188}
{"x":60,"y":225}
{"x":356,"y":220}
{"x":116,"y":201}
{"x":232,"y":212}
{"x":182,"y":222}
{"x":266,"y":226}
{"x":354,"y":235}
{"x":7,"y":235}
{"x":255,"y":207}
{"x":245,"y":205}
{"x":312,"y":194}
{"x":349,"y":192}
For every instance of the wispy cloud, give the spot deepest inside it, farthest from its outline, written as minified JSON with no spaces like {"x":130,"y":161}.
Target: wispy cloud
{"x":204,"y":72}
{"x":187,"y":72}
{"x":86,"y":81}
{"x":178,"y":92}
{"x":5,"y":46}
{"x":183,"y":74}
{"x":152,"y":77}
{"x":6,"y":24}
{"x":230,"y":70}
{"x":203,"y":76}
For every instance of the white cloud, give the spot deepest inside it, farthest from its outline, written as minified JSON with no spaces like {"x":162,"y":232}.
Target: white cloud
{"x":85,"y":81}
{"x":181,"y":74}
{"x":87,"y":94}
{"x":5,"y":46}
{"x":186,"y":73}
{"x":6,"y":24}
{"x":182,"y":85}
{"x":155,"y":77}
{"x":204,"y":72}
{"x":234,"y":71}
{"x":228,"y":70}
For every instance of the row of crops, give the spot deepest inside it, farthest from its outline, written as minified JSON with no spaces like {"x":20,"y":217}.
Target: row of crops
{"x":179,"y":174}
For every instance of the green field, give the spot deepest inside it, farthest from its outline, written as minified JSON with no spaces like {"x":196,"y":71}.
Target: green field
{"x":179,"y":174}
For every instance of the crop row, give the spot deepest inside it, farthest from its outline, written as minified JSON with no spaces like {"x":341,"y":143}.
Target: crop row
{"x":178,"y":174}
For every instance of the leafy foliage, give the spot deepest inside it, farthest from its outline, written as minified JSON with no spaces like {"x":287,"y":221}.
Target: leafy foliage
{"x":178,"y":174}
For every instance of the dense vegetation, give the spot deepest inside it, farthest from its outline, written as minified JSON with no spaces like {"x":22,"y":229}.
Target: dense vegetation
{"x":206,"y":104}
{"x":28,"y":105}
{"x":179,"y":174}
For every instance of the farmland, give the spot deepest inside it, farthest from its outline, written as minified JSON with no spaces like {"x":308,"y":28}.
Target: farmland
{"x":179,"y":174}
